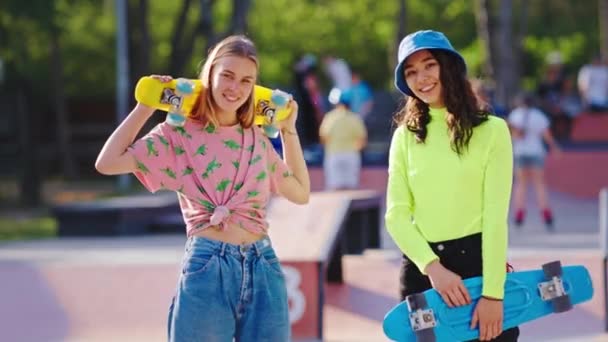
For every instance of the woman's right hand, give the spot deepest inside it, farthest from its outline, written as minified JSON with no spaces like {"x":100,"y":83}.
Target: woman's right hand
{"x":162,"y":78}
{"x":448,"y":284}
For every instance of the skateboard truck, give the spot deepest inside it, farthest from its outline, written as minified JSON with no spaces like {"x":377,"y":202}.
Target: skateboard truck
{"x":422,"y":319}
{"x":176,"y":116}
{"x":169,"y":97}
{"x":278,"y":99}
{"x":552,"y":289}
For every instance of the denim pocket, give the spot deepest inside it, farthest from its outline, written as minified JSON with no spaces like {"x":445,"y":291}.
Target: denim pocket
{"x":197,"y":264}
{"x":270,"y":258}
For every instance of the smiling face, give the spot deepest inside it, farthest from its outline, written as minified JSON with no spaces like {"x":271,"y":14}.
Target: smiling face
{"x":232,"y":81}
{"x":422,"y":75}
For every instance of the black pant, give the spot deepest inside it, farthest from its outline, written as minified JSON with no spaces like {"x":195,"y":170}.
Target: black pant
{"x":461,"y":256}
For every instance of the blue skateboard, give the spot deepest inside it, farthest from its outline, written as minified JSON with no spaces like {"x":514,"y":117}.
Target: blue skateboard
{"x":529,"y":295}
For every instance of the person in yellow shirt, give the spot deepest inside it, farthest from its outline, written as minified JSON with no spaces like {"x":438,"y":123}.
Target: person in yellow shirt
{"x":449,"y":183}
{"x":343,"y":135}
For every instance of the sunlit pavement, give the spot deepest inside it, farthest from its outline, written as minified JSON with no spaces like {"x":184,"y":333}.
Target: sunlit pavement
{"x":118,"y":289}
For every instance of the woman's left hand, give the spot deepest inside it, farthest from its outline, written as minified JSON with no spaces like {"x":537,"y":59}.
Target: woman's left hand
{"x":488,"y":314}
{"x":290,"y":122}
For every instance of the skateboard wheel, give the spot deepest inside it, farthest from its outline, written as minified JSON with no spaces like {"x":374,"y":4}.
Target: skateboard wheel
{"x":176,"y":119}
{"x":416,"y":301}
{"x":184,"y":86}
{"x":552,"y":269}
{"x":279,"y":98}
{"x":561,"y":304}
{"x":271,"y":131}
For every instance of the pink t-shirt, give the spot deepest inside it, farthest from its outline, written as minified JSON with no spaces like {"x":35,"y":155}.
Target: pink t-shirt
{"x":222,"y":176}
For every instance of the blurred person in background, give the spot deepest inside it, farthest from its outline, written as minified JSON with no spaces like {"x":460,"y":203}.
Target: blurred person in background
{"x":338,"y":71}
{"x":593,"y":85}
{"x":343,"y":136}
{"x":307,"y":94}
{"x":530,"y":129}
{"x":550,"y":91}
{"x":361,"y":96}
{"x":486,"y":100}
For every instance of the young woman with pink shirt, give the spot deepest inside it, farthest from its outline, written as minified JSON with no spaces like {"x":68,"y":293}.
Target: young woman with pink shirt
{"x":224,"y":171}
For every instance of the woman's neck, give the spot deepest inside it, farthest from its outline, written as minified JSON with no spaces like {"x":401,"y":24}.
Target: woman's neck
{"x":227,"y":119}
{"x":437,"y":112}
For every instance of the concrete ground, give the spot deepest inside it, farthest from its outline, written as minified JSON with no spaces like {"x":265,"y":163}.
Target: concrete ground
{"x":118,"y":289}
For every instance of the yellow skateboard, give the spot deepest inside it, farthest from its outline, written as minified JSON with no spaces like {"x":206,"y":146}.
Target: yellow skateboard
{"x":178,"y":96}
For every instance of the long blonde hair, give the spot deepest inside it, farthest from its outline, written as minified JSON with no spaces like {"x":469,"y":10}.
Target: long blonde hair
{"x":203,"y":110}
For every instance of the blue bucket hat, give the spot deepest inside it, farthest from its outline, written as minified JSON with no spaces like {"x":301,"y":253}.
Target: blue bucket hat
{"x":420,"y":40}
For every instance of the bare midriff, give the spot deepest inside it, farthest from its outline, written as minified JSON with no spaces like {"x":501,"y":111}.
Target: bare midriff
{"x":233,"y":234}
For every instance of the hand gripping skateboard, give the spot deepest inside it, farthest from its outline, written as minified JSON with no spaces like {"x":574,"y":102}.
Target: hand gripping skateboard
{"x":178,"y":96}
{"x":529,"y":295}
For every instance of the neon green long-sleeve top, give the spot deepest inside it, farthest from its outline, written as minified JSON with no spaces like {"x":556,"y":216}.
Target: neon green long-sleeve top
{"x":433,"y":194}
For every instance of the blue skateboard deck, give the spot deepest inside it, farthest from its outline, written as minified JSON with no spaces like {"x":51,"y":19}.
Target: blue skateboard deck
{"x":529,"y":295}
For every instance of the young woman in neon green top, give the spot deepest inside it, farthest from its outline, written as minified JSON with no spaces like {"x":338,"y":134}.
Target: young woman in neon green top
{"x":449,"y":184}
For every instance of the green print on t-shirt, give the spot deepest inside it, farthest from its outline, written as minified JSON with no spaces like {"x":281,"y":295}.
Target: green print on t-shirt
{"x":212,"y":166}
{"x":179,"y":150}
{"x":261,"y":176}
{"x":187,"y":171}
{"x":273,"y":167}
{"x":255,"y":159}
{"x":222,"y":185}
{"x":252,"y":193}
{"x":164,"y":142}
{"x":209,"y":129}
{"x":202,"y":150}
{"x":182,"y":132}
{"x":151,"y":148}
{"x":142,"y":167}
{"x":169,"y":172}
{"x":238,"y":186}
{"x":236,"y":164}
{"x":231,"y":144}
{"x":206,"y":204}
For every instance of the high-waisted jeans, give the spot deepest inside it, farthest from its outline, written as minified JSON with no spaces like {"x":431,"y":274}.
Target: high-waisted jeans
{"x":228,"y":292}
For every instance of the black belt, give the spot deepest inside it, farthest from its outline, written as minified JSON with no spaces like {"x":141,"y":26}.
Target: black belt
{"x":464,"y":243}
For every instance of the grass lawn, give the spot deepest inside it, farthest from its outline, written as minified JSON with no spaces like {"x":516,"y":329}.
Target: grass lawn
{"x":27,"y":228}
{"x":20,"y":223}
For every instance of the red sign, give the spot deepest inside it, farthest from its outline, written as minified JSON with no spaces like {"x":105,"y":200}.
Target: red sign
{"x":305,"y":307}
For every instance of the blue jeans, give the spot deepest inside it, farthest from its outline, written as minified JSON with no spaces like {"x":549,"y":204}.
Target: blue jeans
{"x":529,"y":161}
{"x":228,"y":292}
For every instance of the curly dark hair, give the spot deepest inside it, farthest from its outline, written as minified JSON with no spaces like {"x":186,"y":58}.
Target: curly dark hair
{"x":464,"y":111}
